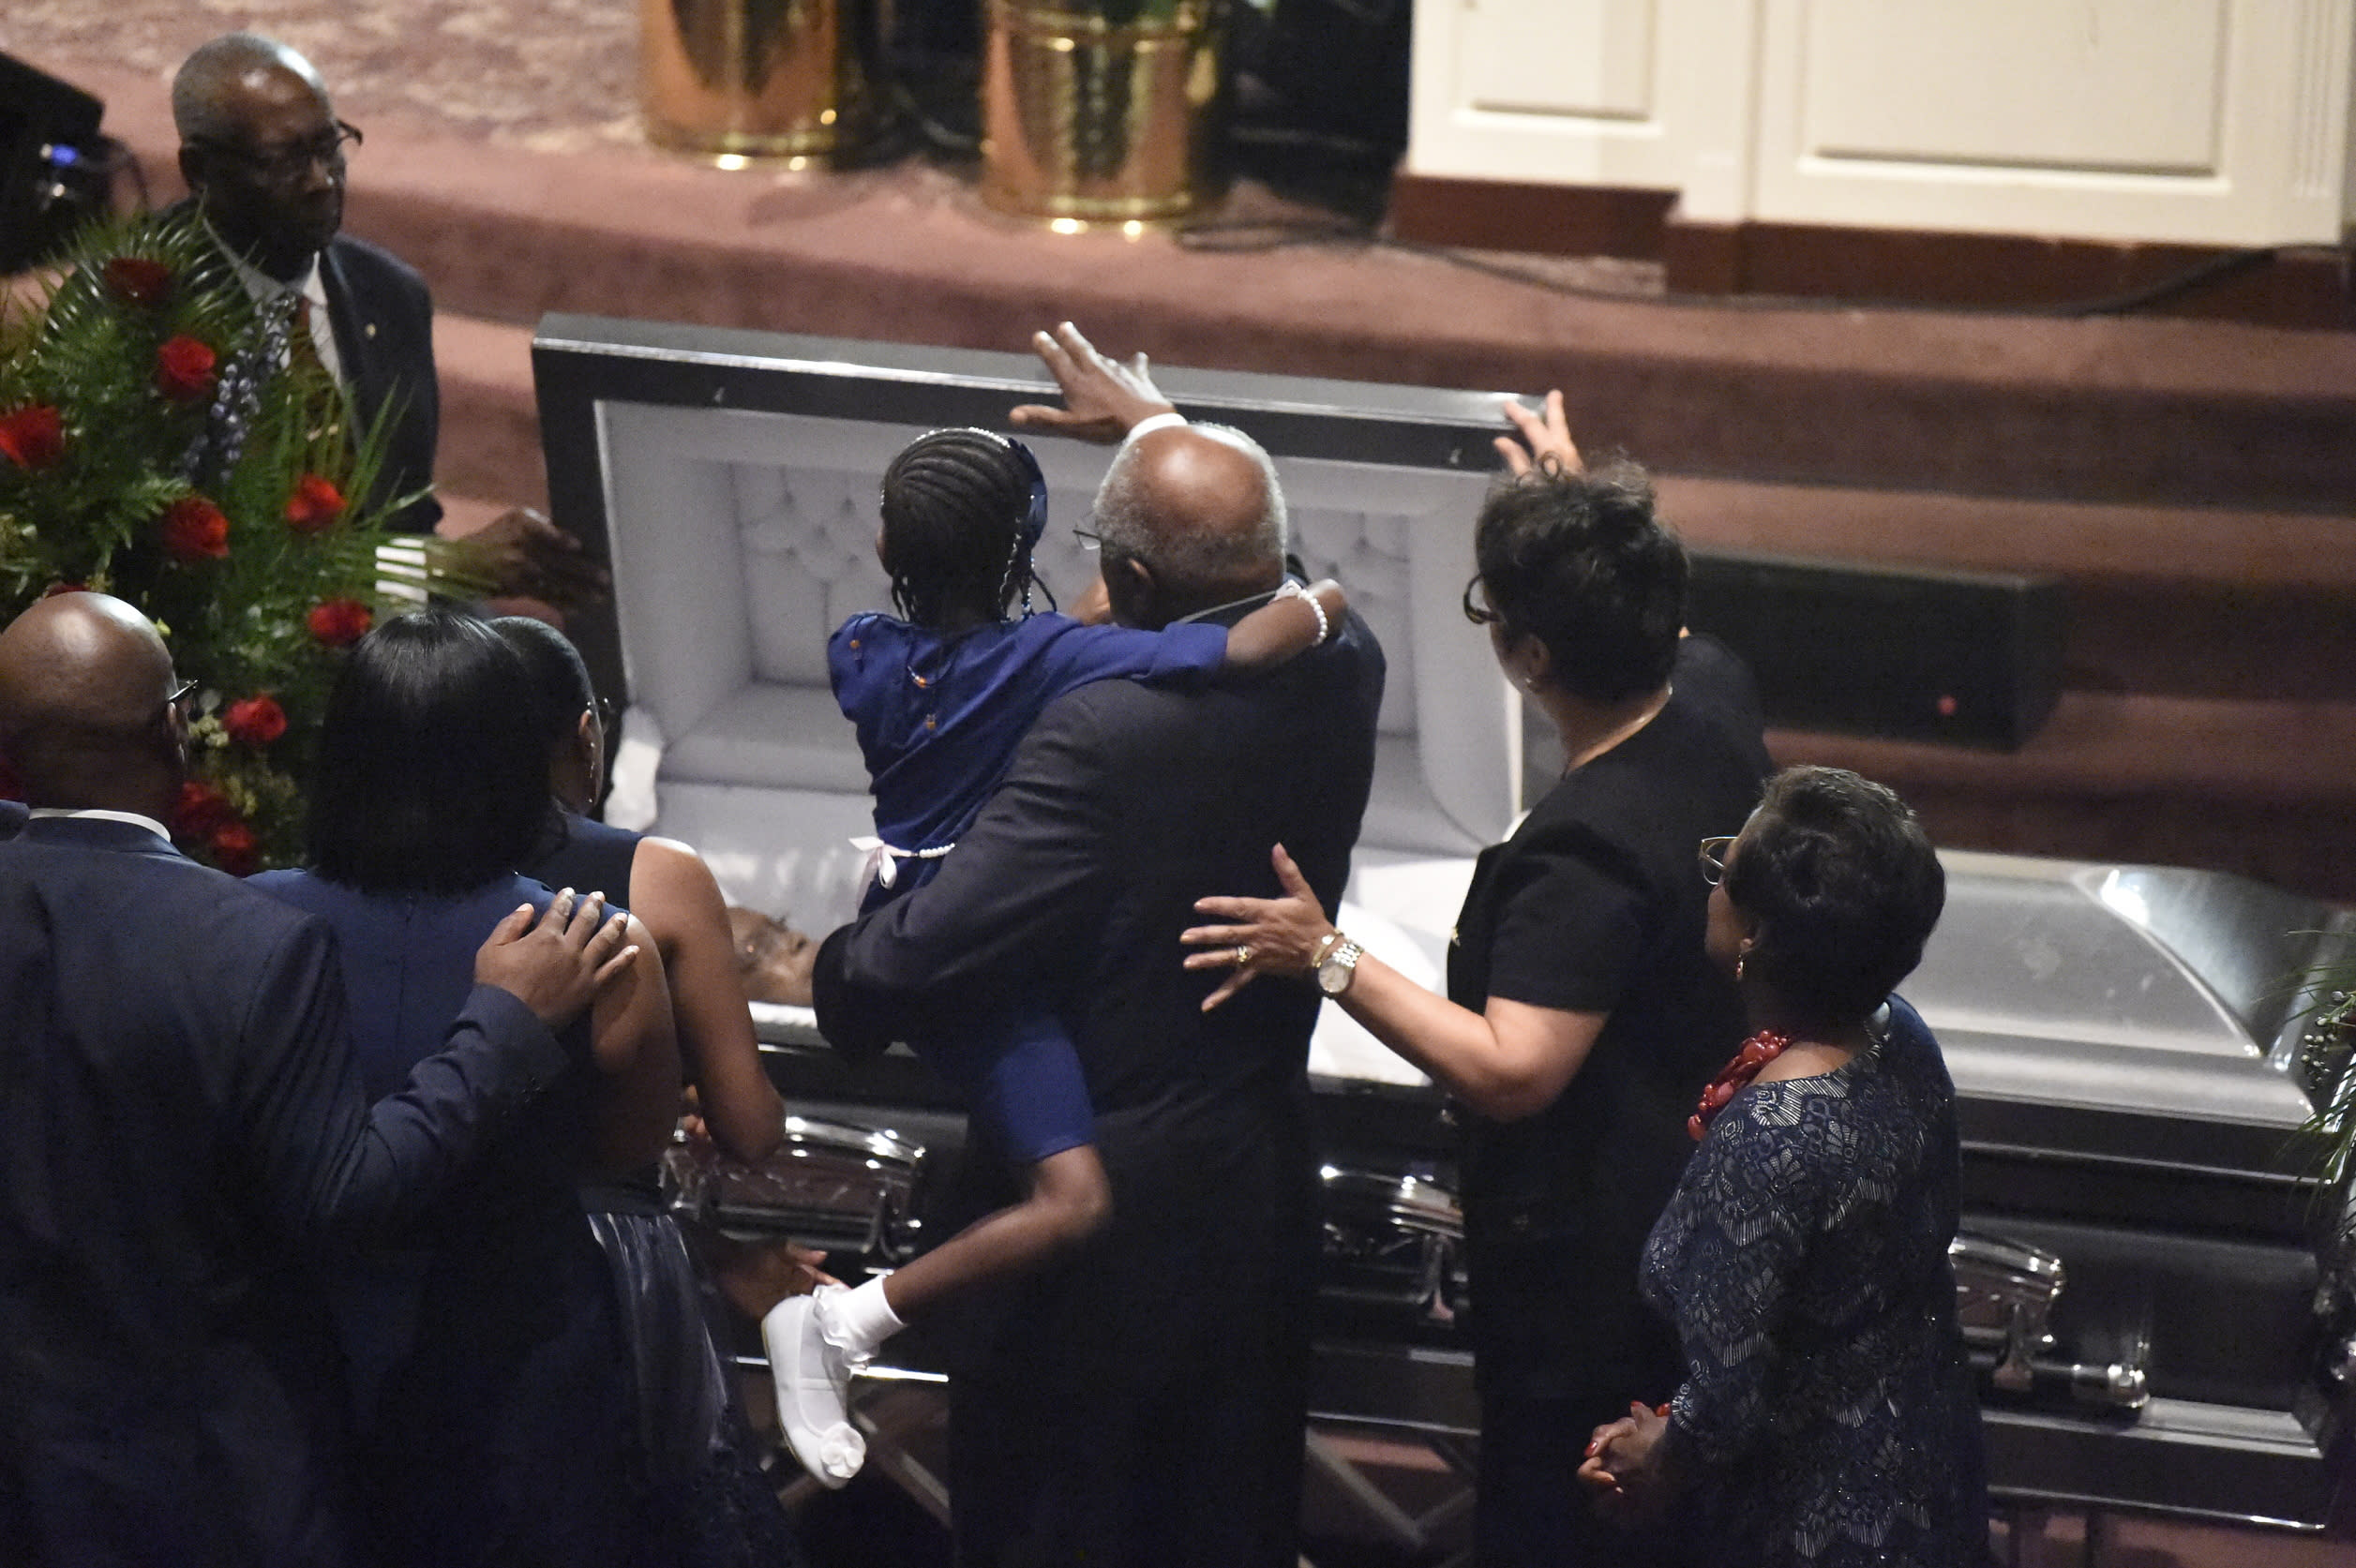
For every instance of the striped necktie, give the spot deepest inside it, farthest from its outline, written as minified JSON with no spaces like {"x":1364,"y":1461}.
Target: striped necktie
{"x":302,"y":349}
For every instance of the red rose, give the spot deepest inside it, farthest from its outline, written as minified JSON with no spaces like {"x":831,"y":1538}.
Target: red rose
{"x":255,"y":722}
{"x":314,"y":505}
{"x":200,"y":810}
{"x":340,"y":622}
{"x":183,"y":369}
{"x":137,"y":280}
{"x":32,"y":436}
{"x":195,"y":530}
{"x":235,"y":849}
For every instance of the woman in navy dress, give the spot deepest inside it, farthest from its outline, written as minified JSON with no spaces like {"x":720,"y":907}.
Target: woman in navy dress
{"x":1827,"y":1416}
{"x":496,"y":1402}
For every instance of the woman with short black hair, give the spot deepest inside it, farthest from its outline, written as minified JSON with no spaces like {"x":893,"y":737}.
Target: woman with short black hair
{"x":1827,"y":1416}
{"x":1576,"y":560}
{"x":486,"y":1358}
{"x":1580,"y":1016}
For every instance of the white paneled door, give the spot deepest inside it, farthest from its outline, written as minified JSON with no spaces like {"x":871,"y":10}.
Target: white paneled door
{"x":2213,"y":122}
{"x":1643,"y":93}
{"x":2206,"y":122}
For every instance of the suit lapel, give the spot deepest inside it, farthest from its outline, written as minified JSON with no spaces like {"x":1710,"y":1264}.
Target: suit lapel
{"x":355,"y":333}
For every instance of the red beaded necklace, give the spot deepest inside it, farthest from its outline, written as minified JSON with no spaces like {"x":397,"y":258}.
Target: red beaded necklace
{"x":1757,"y":1051}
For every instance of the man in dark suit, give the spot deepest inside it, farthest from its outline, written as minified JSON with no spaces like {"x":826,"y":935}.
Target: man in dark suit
{"x":263,"y":155}
{"x":179,"y":1115}
{"x":1142,"y":1403}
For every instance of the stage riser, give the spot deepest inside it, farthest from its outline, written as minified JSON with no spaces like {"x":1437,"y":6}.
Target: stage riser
{"x":2249,"y":777}
{"x":2189,"y":481}
{"x":2163,"y":412}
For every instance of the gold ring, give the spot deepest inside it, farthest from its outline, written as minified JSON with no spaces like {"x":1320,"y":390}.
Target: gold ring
{"x":1243,"y":954}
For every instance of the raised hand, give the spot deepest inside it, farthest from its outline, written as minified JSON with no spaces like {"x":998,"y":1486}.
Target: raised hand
{"x":557,"y":964}
{"x":1102,"y":399}
{"x":1263,"y":935}
{"x":1548,"y":435}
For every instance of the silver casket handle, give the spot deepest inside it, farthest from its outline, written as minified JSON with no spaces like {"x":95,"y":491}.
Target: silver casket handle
{"x":2005,"y":1293}
{"x":1391,"y":1240}
{"x":828,"y":1184}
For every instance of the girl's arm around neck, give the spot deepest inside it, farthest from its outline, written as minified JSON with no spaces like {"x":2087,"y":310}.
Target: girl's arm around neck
{"x":1287,"y":627}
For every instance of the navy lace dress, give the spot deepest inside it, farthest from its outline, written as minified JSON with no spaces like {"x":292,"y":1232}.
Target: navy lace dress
{"x":1827,"y":1416}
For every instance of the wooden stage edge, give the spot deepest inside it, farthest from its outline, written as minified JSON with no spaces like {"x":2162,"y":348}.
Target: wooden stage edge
{"x":2306,"y":287}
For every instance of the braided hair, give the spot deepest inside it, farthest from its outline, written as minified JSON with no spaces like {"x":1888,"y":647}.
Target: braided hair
{"x":962,"y":510}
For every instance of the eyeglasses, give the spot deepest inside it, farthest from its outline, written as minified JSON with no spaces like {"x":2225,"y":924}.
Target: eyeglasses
{"x":1090,"y":541}
{"x":1714,"y":853}
{"x":176,"y":701}
{"x":607,"y":715}
{"x":1475,"y":611}
{"x":286,"y":164}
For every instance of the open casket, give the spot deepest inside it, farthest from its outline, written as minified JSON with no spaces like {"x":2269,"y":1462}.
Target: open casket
{"x":2140,"y":1273}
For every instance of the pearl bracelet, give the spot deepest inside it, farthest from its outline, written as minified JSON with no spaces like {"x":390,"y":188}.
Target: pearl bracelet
{"x":1293,"y":590}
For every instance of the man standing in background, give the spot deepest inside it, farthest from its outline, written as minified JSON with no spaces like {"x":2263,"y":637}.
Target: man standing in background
{"x":264,"y":158}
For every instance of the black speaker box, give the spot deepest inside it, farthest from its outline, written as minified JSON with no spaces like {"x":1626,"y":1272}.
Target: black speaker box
{"x":1901,"y":653}
{"x":50,"y":162}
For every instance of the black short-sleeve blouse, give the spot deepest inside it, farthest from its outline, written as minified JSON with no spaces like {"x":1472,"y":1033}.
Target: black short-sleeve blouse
{"x":1596,"y":904}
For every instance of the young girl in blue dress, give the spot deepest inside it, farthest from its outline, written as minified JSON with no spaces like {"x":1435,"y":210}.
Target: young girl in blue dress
{"x":941,"y":694}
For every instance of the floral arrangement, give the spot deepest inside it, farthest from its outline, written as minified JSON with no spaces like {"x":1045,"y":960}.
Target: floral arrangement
{"x":155,"y":445}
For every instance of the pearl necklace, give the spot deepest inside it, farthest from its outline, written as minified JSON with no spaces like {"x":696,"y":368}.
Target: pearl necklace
{"x":1735,"y":1076}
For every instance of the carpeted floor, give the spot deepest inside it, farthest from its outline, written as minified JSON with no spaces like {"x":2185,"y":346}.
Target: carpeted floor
{"x":561,"y":76}
{"x":551,"y":75}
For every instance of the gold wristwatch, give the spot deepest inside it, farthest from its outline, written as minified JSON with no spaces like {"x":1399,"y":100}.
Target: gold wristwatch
{"x":1339,"y":967}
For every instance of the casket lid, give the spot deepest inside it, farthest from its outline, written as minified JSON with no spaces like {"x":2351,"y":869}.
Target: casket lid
{"x":2127,"y":1013}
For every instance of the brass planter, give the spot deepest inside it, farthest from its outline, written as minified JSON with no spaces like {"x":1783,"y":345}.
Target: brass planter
{"x":1106,"y":113}
{"x":747,"y":79}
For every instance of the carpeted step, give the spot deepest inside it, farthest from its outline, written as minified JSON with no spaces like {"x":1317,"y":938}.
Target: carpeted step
{"x":2192,"y":602}
{"x":2207,"y":721}
{"x":490,"y":420}
{"x":2173,"y":412}
{"x":2262,"y":789}
{"x":2195,"y":602}
{"x":2122,"y":410}
{"x":2190,"y":480}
